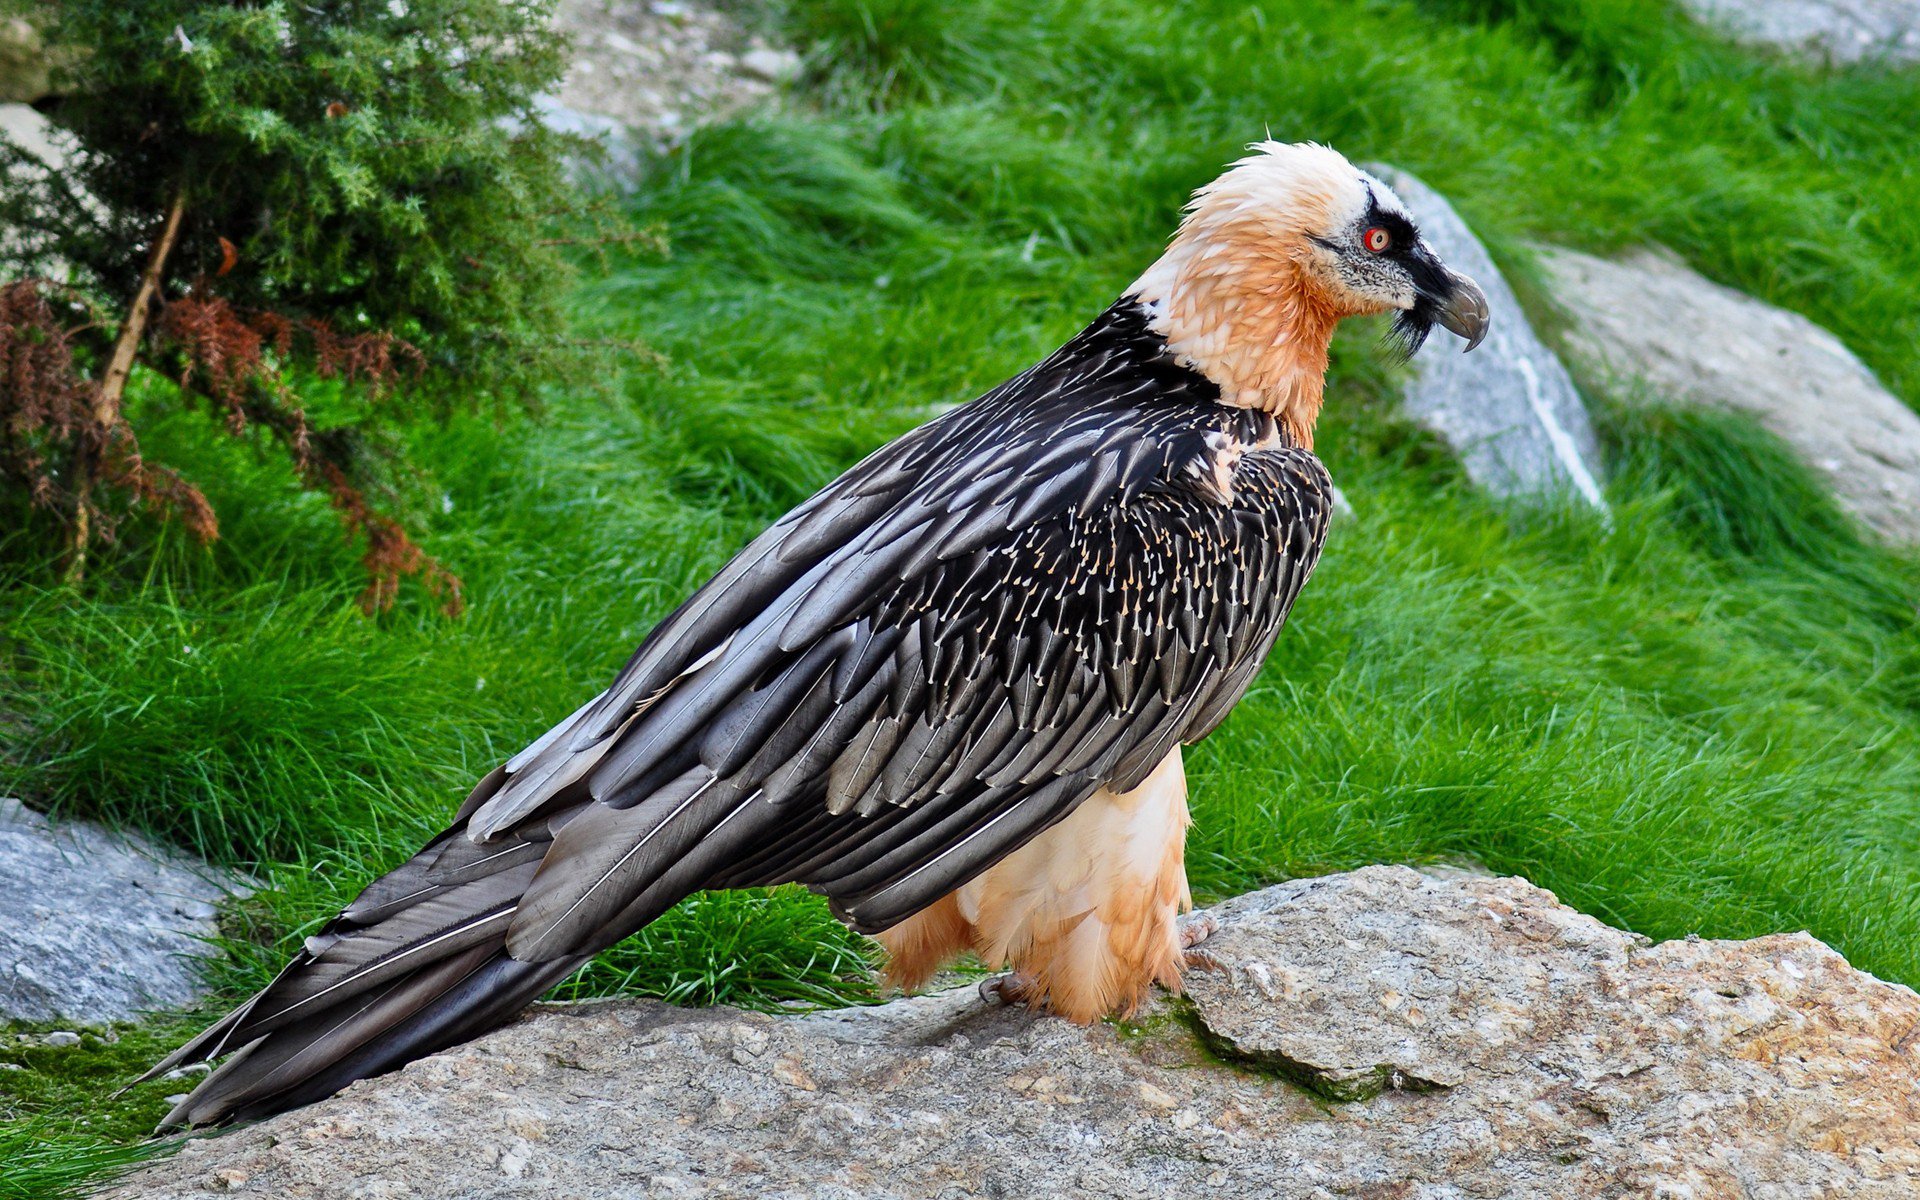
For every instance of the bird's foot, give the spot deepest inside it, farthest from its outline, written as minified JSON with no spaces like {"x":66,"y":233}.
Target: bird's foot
{"x":1193,"y":931}
{"x":1010,"y":988}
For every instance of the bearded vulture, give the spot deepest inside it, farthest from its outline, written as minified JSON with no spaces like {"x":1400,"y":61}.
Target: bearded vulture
{"x":948,"y":693}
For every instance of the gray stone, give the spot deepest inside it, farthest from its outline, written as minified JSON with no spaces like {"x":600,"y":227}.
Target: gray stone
{"x":622,"y":152}
{"x":1450,"y":1038}
{"x":1650,"y":319}
{"x":1839,"y":31}
{"x":645,"y":75}
{"x":99,"y":926}
{"x":26,"y":128}
{"x":1508,"y":409}
{"x":24,"y":70}
{"x":54,"y":148}
{"x":772,"y":65}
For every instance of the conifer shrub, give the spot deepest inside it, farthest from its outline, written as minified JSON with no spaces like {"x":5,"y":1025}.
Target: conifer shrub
{"x":264,"y":196}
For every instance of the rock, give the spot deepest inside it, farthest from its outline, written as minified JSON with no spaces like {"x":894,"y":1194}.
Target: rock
{"x":100,"y":927}
{"x":645,"y":75}
{"x":26,"y":128}
{"x":24,"y":74}
{"x":1649,"y":317}
{"x":622,"y":152}
{"x":54,"y":149}
{"x":1342,"y":507}
{"x":1838,"y":31}
{"x":774,"y":66}
{"x":1509,"y":409}
{"x":1449,"y":1037}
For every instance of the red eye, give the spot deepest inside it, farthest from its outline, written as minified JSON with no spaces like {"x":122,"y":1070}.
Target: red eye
{"x":1376,"y":239}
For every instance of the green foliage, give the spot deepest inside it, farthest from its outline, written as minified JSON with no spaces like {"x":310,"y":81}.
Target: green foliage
{"x":763,"y":949}
{"x":64,"y":1119}
{"x":1735,"y":489}
{"x":35,"y":1166}
{"x":1598,"y":123}
{"x":375,"y":165}
{"x":345,"y":215}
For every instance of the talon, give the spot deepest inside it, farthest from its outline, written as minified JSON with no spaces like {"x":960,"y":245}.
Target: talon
{"x":1195,"y":930}
{"x":1011,"y":988}
{"x":1200,"y":960}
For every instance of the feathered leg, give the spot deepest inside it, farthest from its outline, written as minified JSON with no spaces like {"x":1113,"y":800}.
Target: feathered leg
{"x":1087,"y":913}
{"x":926,"y":941}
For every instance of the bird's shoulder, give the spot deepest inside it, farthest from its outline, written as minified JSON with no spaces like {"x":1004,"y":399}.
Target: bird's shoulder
{"x":1107,"y":417}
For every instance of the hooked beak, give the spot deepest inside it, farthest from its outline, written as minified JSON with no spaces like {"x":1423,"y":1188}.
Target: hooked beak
{"x":1464,"y":310}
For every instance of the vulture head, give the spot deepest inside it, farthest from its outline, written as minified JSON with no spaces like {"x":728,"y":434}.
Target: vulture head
{"x":1273,"y":254}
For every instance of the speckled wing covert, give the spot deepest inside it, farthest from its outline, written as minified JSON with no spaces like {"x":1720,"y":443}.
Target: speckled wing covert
{"x":897,"y":685}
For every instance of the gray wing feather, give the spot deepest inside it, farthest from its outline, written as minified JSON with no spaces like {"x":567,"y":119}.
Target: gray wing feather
{"x":897,"y":684}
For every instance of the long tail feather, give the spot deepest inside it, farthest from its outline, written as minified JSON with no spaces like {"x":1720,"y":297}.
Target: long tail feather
{"x":440,"y":1007}
{"x":421,"y":968}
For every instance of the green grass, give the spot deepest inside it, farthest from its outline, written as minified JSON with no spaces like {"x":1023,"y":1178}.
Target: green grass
{"x":1703,"y":719}
{"x":64,"y":1121}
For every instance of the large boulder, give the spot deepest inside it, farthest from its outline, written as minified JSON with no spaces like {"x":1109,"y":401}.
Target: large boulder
{"x":1838,"y":31}
{"x":1649,"y":318}
{"x":100,"y":926}
{"x":1381,"y":1034}
{"x":1508,"y":409}
{"x":644,"y":75}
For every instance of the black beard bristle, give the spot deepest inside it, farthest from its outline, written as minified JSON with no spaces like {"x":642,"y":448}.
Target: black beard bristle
{"x":1407,"y":334}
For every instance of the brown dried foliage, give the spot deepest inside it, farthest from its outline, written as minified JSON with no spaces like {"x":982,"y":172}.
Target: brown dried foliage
{"x":225,"y":355}
{"x":391,"y":555}
{"x":44,"y":401}
{"x":230,"y":358}
{"x":226,"y":350}
{"x":47,"y":419}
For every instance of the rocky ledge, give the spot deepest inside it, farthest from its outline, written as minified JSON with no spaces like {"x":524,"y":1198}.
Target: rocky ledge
{"x":101,"y":925}
{"x":1384,"y":1034}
